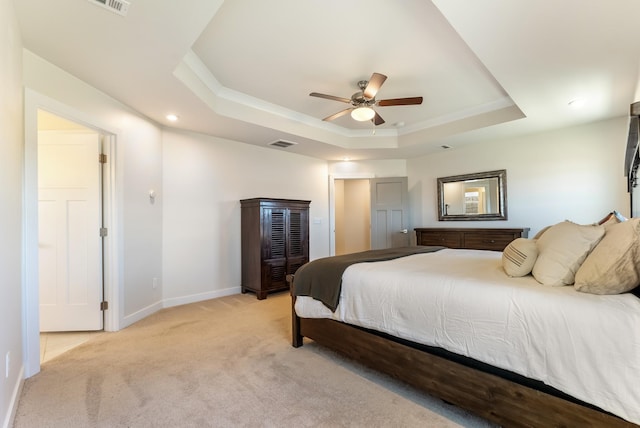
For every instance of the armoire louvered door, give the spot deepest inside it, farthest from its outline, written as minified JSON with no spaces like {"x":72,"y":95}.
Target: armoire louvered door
{"x":275,"y":256}
{"x":275,"y":242}
{"x":297,"y":239}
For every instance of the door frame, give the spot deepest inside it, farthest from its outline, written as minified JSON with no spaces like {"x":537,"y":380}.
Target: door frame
{"x":332,"y":202}
{"x":33,"y":101}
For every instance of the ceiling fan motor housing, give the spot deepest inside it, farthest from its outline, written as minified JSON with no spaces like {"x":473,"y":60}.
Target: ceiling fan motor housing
{"x":358,"y":100}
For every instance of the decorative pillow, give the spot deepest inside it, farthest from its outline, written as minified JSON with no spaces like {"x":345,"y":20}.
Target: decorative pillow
{"x":562,"y":249}
{"x":543,"y":230}
{"x":613,"y":267}
{"x":519,"y":257}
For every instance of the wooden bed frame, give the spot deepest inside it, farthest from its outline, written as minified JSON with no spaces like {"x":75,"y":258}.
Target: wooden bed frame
{"x":489,"y":395}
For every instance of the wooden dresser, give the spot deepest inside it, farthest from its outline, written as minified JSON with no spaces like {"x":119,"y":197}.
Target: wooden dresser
{"x":275,"y":242}
{"x":475,"y":239}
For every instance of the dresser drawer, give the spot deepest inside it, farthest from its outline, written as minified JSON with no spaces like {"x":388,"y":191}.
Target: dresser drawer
{"x":487,"y":241}
{"x":446,"y":239}
{"x":475,"y":239}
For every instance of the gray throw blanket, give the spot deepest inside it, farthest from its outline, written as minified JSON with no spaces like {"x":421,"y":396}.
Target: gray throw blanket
{"x":322,"y":278}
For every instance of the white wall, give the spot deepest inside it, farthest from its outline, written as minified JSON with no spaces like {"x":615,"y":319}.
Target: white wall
{"x":204,"y":179}
{"x":375,"y":168}
{"x":574,"y":173}
{"x":11,"y":154}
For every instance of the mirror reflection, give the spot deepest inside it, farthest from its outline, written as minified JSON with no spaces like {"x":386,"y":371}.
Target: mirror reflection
{"x":478,"y":196}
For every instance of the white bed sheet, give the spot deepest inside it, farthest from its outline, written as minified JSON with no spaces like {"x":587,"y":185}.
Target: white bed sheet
{"x":585,"y":345}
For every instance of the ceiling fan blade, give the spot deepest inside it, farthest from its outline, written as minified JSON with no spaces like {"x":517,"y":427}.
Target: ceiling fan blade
{"x":338,"y":114}
{"x":374,"y":84}
{"x":377,"y":119}
{"x":330,"y":97}
{"x":400,"y":101}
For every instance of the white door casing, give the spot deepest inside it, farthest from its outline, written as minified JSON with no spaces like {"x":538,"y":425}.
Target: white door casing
{"x":389,"y":212}
{"x":69,"y":222}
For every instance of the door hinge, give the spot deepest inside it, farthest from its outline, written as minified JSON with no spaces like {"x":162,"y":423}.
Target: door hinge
{"x":102,"y":158}
{"x":104,"y":306}
{"x":103,"y":232}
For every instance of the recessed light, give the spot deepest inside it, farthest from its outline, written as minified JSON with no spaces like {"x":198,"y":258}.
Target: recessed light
{"x":172,"y":117}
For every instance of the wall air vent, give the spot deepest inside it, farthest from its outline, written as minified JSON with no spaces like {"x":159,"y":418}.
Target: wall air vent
{"x":282,"y":144}
{"x":121,"y":7}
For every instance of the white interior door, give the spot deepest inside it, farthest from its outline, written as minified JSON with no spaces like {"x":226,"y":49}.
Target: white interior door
{"x":69,"y":221}
{"x":389,"y":212}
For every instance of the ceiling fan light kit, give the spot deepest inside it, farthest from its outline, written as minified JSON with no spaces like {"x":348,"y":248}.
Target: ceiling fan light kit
{"x":363,"y":101}
{"x":362,"y":114}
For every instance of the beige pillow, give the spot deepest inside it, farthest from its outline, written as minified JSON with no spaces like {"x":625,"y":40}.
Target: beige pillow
{"x":519,"y":257}
{"x":561,"y":250}
{"x":543,"y":230}
{"x":613,"y":267}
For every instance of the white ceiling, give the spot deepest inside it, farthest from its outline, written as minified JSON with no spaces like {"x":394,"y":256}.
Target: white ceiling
{"x":243,"y":69}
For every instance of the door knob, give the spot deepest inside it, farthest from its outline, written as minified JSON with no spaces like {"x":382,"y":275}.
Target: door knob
{"x":404,"y":231}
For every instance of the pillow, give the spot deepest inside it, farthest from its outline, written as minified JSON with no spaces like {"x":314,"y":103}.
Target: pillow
{"x":613,"y":267}
{"x":543,"y":230}
{"x":561,"y":250}
{"x":519,"y":256}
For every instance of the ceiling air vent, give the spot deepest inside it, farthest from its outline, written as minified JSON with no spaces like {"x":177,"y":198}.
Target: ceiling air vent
{"x":282,"y":144}
{"x":121,"y":7}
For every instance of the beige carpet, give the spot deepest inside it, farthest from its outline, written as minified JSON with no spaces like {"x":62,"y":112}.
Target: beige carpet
{"x":225,"y":362}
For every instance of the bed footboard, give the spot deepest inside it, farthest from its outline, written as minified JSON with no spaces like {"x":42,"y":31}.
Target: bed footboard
{"x":484,"y":394}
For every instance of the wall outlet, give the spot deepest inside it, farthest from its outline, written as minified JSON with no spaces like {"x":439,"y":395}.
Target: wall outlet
{"x":155,"y":283}
{"x":7,"y":364}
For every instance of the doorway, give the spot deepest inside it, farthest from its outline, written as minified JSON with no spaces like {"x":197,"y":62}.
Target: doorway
{"x":33,"y":103}
{"x":70,"y":261}
{"x":367,"y":213}
{"x":352,"y":216}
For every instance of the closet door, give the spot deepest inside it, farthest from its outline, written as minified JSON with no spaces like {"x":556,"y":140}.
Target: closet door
{"x":389,"y":212}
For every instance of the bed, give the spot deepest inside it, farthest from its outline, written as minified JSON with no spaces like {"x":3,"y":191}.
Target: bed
{"x":507,"y":347}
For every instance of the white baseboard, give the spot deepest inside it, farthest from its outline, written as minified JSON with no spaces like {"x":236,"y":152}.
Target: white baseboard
{"x":176,"y":301}
{"x":15,"y":398}
{"x":141,"y":314}
{"x":184,"y":300}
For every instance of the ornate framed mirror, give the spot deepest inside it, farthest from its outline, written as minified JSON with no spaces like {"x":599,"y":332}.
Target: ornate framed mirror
{"x":478,"y":196}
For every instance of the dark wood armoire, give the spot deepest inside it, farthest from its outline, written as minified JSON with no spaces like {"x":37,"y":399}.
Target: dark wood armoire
{"x":275,"y":242}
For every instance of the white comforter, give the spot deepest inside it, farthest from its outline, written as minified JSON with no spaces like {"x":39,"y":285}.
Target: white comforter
{"x":461,"y":300}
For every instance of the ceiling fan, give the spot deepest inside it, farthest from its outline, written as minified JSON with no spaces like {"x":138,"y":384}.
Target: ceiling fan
{"x":362,"y":102}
